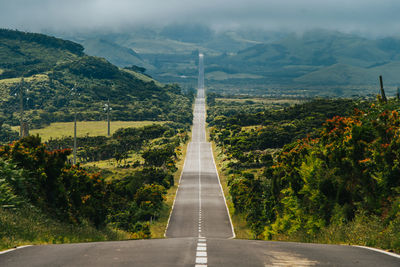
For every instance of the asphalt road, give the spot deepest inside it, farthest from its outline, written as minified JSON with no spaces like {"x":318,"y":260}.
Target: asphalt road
{"x":199,"y":208}
{"x":199,"y":232}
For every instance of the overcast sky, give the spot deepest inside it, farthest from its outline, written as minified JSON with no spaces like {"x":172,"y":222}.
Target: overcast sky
{"x":372,"y":17}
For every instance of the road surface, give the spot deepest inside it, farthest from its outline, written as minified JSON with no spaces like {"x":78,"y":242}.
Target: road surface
{"x":199,"y":232}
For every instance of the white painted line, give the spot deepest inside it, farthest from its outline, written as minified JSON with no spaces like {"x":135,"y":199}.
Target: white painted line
{"x":201,"y":244}
{"x":381,"y":251}
{"x":201,"y":254}
{"x":219,"y":180}
{"x":201,"y":259}
{"x":176,"y":192}
{"x":201,"y":249}
{"x":202,"y":240}
{"x":200,"y":265}
{"x":199,"y":155}
{"x":12,"y":249}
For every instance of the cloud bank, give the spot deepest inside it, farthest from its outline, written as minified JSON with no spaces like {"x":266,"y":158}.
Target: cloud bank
{"x":363,"y":16}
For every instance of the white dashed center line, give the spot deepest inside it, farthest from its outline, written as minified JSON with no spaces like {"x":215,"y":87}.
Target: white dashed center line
{"x":201,"y":251}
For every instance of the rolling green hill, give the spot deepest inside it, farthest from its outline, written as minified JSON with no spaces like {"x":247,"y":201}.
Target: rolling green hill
{"x":116,"y":54}
{"x":51,"y":67}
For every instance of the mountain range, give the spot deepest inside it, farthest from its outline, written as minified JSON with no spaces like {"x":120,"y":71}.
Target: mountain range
{"x":317,"y":62}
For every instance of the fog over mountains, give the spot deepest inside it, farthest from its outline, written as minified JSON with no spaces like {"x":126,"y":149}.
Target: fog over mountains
{"x":264,"y":47}
{"x":322,"y":62}
{"x":365,"y":16}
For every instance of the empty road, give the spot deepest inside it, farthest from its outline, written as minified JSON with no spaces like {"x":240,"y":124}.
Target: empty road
{"x":199,"y":232}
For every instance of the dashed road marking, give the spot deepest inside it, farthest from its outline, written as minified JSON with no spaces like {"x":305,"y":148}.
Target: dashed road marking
{"x":201,"y":259}
{"x":201,"y":254}
{"x":201,"y":249}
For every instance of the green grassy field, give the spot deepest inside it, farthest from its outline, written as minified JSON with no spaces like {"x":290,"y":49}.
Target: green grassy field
{"x":91,"y":128}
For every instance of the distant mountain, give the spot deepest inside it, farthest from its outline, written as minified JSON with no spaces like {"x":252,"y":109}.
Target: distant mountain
{"x":116,"y":54}
{"x":317,"y":58}
{"x":51,"y":67}
{"x":259,"y":60}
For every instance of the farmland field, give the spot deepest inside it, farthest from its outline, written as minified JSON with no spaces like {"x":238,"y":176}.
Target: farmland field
{"x":91,"y":128}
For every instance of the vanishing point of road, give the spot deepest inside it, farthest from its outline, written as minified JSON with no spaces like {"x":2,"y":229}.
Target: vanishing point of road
{"x":199,"y":232}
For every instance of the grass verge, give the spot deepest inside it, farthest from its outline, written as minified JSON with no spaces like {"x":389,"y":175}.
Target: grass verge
{"x":28,"y":225}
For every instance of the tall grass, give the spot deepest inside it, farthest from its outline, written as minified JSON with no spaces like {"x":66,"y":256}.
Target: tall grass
{"x":28,"y":225}
{"x":364,"y":230}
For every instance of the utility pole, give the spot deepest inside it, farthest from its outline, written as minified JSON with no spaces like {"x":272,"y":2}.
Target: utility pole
{"x":74,"y":95}
{"x":107,"y":109}
{"x":21,"y":108}
{"x":74,"y":152}
{"x":24,"y":126}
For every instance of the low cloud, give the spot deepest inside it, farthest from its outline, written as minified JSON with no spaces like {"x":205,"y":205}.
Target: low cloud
{"x":363,"y":16}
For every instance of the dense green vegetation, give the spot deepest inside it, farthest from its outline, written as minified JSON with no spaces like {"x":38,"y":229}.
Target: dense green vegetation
{"x":335,"y":180}
{"x":39,"y":182}
{"x":51,"y":67}
{"x":37,"y":174}
{"x":245,"y":133}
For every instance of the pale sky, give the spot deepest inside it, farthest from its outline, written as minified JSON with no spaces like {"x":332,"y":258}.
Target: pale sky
{"x":371,"y":17}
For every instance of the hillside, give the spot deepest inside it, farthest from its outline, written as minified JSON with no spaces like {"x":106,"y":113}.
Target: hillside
{"x":318,"y":62}
{"x":51,"y":67}
{"x":318,"y":58}
{"x":116,"y":54}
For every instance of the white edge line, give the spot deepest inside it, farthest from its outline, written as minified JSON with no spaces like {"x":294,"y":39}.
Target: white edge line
{"x":380,"y":250}
{"x":12,"y":249}
{"x":176,"y":192}
{"x":223,"y":194}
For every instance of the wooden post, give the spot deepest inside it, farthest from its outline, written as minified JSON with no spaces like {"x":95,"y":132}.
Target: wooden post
{"x":384,"y":99}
